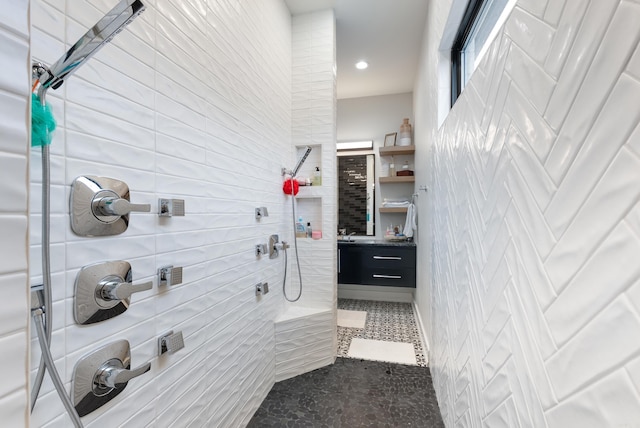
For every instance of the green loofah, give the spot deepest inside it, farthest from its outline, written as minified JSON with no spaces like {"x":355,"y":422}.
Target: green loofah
{"x":42,"y":122}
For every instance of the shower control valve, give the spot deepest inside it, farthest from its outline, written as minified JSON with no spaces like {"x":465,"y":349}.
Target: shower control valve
{"x":101,"y":375}
{"x":113,"y":374}
{"x":111,"y":288}
{"x":103,"y":290}
{"x":261,"y":249}
{"x":115,"y":206}
{"x":99,"y":206}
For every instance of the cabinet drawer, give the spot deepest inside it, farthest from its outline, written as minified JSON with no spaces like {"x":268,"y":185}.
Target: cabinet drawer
{"x":390,"y":257}
{"x":394,"y":277}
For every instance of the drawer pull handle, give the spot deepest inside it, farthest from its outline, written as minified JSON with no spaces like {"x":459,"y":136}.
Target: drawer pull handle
{"x":387,"y":276}
{"x":387,"y":258}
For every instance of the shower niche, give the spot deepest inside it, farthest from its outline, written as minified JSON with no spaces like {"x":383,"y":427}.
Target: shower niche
{"x":308,"y":168}
{"x":309,"y":199}
{"x":310,"y":209}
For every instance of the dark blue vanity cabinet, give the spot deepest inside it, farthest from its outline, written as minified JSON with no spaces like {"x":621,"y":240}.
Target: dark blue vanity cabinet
{"x":377,"y":263}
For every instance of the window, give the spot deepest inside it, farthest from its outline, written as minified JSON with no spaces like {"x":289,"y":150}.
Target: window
{"x":477,"y":30}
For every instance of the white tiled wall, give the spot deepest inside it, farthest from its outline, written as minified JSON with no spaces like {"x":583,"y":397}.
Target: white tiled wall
{"x":314,"y":124}
{"x":191,"y":101}
{"x":310,"y":322}
{"x":14,"y":141}
{"x":536,"y":225}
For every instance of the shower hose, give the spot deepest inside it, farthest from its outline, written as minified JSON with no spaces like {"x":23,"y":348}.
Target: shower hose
{"x":295,"y":245}
{"x":43,"y":318}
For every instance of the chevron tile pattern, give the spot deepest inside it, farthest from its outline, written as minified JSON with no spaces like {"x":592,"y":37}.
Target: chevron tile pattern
{"x":536,"y":225}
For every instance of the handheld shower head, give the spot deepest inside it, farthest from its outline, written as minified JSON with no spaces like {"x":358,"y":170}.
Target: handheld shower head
{"x":307,"y":150}
{"x":101,"y":33}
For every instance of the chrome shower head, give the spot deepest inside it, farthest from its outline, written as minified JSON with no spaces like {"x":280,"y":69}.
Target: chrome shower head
{"x":307,"y":150}
{"x":101,"y":33}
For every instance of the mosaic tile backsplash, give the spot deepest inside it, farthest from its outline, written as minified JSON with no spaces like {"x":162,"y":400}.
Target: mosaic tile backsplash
{"x":352,"y":190}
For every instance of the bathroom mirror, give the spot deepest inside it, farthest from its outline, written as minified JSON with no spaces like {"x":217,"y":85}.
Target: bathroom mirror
{"x":356,"y":180}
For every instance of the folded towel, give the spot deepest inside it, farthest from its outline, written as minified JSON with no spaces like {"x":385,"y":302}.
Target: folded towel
{"x":392,"y":204}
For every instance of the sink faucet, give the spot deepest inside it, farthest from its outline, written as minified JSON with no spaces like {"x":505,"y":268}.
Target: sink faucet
{"x":349,"y":236}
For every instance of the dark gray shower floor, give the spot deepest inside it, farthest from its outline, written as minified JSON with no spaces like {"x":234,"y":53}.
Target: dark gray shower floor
{"x":352,"y":393}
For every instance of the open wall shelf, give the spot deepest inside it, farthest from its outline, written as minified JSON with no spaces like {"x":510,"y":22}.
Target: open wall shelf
{"x":397,"y":150}
{"x":403,"y":179}
{"x":393,"y":209}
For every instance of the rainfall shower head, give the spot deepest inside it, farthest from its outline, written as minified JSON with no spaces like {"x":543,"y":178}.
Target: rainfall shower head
{"x":101,"y":33}
{"x":307,"y":150}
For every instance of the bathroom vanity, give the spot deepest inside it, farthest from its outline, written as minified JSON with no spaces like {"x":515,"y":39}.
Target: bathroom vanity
{"x":377,"y":262}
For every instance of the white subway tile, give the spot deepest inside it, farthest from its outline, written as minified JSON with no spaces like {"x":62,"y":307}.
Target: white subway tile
{"x":14,"y":349}
{"x":497,"y":389}
{"x":13,"y":409}
{"x":553,"y":11}
{"x":633,"y":67}
{"x":13,"y":175}
{"x":530,"y":125}
{"x":534,"y":7}
{"x":634,"y":141}
{"x":633,"y":369}
{"x":15,"y":76}
{"x":585,"y":296}
{"x":231,"y":107}
{"x":531,"y":309}
{"x":607,"y":204}
{"x":534,"y":82}
{"x":529,"y":32}
{"x":14,"y":128}
{"x":612,"y":125}
{"x":498,"y":353}
{"x":13,"y":228}
{"x":612,"y":401}
{"x":588,"y":38}
{"x":533,"y":173}
{"x":528,"y":210}
{"x":596,"y":349}
{"x":14,"y":290}
{"x":567,"y":27}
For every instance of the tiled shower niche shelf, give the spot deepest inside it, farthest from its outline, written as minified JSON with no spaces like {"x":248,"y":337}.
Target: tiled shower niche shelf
{"x":310,"y":209}
{"x":402,"y":179}
{"x":310,"y":192}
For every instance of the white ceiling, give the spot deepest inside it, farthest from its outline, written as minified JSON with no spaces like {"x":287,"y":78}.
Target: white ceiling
{"x":385,"y":33}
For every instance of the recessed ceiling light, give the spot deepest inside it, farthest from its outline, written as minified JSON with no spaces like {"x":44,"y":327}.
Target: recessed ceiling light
{"x":361,"y":65}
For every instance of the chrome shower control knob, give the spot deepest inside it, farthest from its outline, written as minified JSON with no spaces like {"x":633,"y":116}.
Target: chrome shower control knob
{"x":112,"y":288}
{"x":112,"y":374}
{"x":103,"y":290}
{"x":115,"y":206}
{"x":101,"y":375}
{"x":99,"y":206}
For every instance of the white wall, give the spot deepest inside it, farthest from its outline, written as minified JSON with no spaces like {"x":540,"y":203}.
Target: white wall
{"x":535,"y":221}
{"x":306,"y":333}
{"x":314,"y":125}
{"x":192,"y":101}
{"x":15,"y":81}
{"x":371,"y":118}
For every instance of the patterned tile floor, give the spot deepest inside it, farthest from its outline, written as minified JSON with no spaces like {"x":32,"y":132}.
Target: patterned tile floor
{"x":388,"y":321}
{"x":352,"y":393}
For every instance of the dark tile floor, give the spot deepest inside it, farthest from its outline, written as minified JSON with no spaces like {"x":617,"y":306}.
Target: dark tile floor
{"x":352,"y":393}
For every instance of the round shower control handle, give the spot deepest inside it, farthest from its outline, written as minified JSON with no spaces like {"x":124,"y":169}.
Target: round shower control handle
{"x":110,"y":289}
{"x":110,"y":205}
{"x":112,"y":374}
